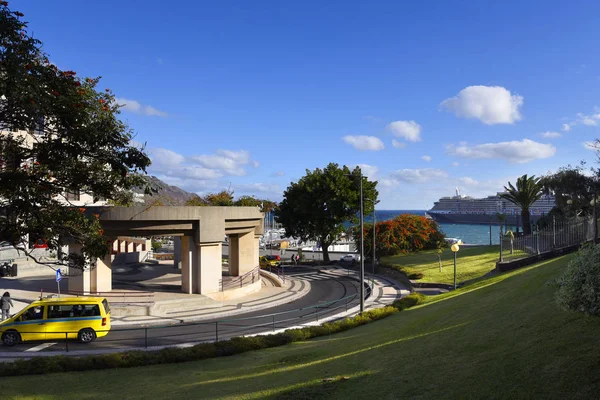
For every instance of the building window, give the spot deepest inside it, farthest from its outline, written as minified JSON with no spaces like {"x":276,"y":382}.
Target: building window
{"x":72,"y":195}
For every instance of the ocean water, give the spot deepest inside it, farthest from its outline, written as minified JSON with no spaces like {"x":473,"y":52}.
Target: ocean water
{"x":469,"y":234}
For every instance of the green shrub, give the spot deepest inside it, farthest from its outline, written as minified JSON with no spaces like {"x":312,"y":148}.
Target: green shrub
{"x":409,"y":301}
{"x":136,"y":358}
{"x":579,"y":286}
{"x":411,"y":273}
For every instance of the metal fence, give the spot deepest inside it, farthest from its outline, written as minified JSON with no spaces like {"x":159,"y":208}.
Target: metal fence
{"x":557,"y":235}
{"x":215,"y":331}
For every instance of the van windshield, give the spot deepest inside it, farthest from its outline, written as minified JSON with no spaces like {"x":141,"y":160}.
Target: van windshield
{"x":106,"y":306}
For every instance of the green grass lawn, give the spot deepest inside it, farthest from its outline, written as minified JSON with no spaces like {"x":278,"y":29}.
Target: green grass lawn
{"x":499,"y":338}
{"x":471,"y":263}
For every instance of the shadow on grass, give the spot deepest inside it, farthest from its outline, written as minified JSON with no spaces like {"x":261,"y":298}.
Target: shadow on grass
{"x":324,"y":388}
{"x":290,"y":368}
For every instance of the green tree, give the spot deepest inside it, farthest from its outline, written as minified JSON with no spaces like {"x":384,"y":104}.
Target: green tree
{"x":223,"y":198}
{"x":247,"y":201}
{"x":317,"y":206}
{"x":527,"y":191}
{"x":195,"y":201}
{"x":59,"y":134}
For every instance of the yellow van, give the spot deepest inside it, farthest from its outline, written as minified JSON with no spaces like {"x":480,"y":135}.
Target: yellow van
{"x":81,"y":318}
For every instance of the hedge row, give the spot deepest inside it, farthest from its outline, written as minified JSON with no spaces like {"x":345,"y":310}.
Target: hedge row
{"x":411,"y":273}
{"x":43,"y":365}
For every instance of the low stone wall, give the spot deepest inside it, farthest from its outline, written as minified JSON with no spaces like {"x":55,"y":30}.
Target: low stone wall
{"x":237,"y":292}
{"x":523,"y":262}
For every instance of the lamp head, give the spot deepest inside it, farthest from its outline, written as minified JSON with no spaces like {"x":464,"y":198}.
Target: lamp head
{"x":455,"y":247}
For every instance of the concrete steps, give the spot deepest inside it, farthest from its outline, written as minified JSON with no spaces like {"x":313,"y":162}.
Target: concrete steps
{"x":173,"y":308}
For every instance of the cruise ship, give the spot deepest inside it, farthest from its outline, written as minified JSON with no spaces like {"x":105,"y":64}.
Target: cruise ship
{"x":461,"y":209}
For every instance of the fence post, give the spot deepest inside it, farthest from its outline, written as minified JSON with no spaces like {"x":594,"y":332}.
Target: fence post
{"x":554,"y":232}
{"x":273,"y":323}
{"x":346,"y":305}
{"x":67,"y":341}
{"x":537,"y":241}
{"x":317,"y":313}
{"x":146,"y":337}
{"x":501,"y":244}
{"x":216,"y":331}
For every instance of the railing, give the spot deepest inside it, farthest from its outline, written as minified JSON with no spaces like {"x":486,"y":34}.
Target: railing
{"x":200,"y":332}
{"x":246,"y":279}
{"x":557,"y":235}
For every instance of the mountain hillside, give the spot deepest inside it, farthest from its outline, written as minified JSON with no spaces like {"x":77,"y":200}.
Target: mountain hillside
{"x":168,"y":194}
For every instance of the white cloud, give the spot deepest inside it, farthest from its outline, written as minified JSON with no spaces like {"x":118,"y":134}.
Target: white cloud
{"x":408,"y":130}
{"x":489,"y":104}
{"x":278,"y":173}
{"x":250,"y":188}
{"x":418,"y":175}
{"x":465,"y":180}
{"x":200,"y":167}
{"x":566,"y":127}
{"x":231,"y":162}
{"x":455,"y":164}
{"x":590,"y":146}
{"x":551,"y":134}
{"x":165,"y":157}
{"x":426,"y":158}
{"x":371,"y":143}
{"x":589,"y":120}
{"x":137,"y":108}
{"x":397,"y":144}
{"x":517,"y":152}
{"x":370,"y":171}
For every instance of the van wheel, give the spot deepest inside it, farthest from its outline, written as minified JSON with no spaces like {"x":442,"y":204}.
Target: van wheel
{"x":86,"y":335}
{"x":11,"y":338}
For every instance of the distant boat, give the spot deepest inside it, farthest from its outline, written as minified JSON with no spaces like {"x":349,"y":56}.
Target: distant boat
{"x":460,"y":209}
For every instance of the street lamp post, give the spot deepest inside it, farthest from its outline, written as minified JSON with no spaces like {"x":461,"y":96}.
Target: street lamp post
{"x":362,"y":245}
{"x":362,"y":248}
{"x":455,"y":247}
{"x":374,"y":223}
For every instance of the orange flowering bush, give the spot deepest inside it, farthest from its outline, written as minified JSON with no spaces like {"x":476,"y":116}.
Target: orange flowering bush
{"x":405,"y":233}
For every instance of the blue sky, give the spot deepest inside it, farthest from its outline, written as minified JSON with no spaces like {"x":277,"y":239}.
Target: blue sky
{"x":426,"y":96}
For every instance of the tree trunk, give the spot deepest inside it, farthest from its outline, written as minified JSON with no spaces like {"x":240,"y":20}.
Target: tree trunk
{"x":325,"y":250}
{"x":525,"y":217}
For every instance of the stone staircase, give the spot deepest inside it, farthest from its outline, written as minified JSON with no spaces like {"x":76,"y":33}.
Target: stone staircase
{"x":182,"y":307}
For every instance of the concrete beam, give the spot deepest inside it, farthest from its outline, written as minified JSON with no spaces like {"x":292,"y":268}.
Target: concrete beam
{"x":207,"y":267}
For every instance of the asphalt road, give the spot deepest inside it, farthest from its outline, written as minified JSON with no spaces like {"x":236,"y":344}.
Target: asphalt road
{"x":324,"y":290}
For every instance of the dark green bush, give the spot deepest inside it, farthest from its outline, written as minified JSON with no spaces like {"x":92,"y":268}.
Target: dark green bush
{"x":579,"y":286}
{"x":136,"y":358}
{"x":411,"y":273}
{"x":409,"y":301}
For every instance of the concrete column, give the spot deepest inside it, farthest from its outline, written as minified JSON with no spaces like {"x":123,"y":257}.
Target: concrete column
{"x":79,"y":281}
{"x":101,"y":276}
{"x":256,"y":250}
{"x":186,"y":265}
{"x":234,"y":259}
{"x":207,"y":267}
{"x":129,"y":247}
{"x":247,"y":252}
{"x":177,"y":252}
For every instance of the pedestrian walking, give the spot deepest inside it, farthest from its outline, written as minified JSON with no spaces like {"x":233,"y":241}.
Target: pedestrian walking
{"x":6,"y":303}
{"x":297,"y":259}
{"x":293,"y":259}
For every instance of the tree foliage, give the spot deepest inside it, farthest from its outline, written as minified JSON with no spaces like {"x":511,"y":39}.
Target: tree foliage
{"x":59,"y":134}
{"x":527,"y":191}
{"x":317,"y":206}
{"x":572,"y":189}
{"x":225,"y":198}
{"x":403,"y":234}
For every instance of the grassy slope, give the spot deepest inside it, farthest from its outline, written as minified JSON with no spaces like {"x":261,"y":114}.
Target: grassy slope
{"x":471,"y":263}
{"x":501,"y":338}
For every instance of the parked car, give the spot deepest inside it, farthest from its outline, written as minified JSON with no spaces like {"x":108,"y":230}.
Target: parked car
{"x":350,"y":258}
{"x":269,"y":261}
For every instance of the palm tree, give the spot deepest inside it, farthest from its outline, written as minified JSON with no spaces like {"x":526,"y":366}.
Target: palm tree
{"x":527,"y":192}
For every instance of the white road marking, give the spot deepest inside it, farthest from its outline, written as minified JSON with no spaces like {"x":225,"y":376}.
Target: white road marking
{"x":41,"y":347}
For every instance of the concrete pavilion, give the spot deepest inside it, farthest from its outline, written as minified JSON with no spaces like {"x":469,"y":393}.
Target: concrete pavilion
{"x":201,"y":230}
